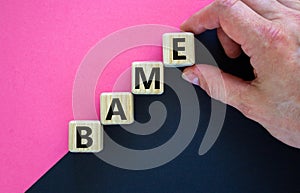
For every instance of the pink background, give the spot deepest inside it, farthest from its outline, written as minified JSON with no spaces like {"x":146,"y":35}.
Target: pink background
{"x":41,"y":46}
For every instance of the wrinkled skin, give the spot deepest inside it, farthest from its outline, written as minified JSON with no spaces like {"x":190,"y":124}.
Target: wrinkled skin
{"x":268,"y":31}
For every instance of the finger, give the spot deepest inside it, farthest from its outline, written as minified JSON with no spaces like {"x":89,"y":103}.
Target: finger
{"x":292,"y":4}
{"x":231,"y":48}
{"x":222,"y":86}
{"x":237,"y":20}
{"x":269,"y":9}
{"x":194,"y":23}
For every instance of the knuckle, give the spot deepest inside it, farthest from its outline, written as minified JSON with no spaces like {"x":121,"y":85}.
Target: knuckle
{"x":217,"y":92}
{"x":245,"y":101}
{"x":273,"y":34}
{"x":246,"y":109}
{"x":225,"y":3}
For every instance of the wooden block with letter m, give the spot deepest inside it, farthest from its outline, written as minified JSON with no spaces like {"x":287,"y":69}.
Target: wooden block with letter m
{"x":147,"y":78}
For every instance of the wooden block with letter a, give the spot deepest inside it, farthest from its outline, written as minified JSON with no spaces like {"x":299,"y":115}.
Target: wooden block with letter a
{"x":178,"y":49}
{"x":116,"y":108}
{"x":85,"y":136}
{"x":147,"y":77}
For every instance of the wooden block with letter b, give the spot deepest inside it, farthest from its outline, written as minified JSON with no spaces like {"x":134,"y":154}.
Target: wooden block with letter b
{"x":116,"y":108}
{"x":85,"y":136}
{"x":147,"y":78}
{"x":178,"y":49}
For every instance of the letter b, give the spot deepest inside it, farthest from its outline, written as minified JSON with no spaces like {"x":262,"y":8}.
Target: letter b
{"x":85,"y":136}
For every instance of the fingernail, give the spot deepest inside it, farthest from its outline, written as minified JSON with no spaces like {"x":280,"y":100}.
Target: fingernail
{"x":190,"y":77}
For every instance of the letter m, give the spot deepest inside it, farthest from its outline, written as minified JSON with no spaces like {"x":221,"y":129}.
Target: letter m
{"x":154,"y":75}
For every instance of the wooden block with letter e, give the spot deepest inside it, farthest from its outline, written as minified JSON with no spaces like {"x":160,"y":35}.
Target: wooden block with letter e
{"x":147,"y":78}
{"x":116,"y":108}
{"x":178,"y":49}
{"x":85,"y":136}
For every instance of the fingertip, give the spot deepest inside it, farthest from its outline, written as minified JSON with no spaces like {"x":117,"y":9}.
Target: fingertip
{"x":231,"y":48}
{"x":189,"y":68}
{"x":189,"y":75}
{"x":185,"y":27}
{"x":190,"y":25}
{"x":183,"y":24}
{"x":182,"y":27}
{"x":234,"y":53}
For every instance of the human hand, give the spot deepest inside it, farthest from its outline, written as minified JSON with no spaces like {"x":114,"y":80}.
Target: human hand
{"x":268,"y":31}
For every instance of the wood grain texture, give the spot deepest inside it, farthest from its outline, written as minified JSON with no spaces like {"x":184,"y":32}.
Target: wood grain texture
{"x":144,"y":77}
{"x":185,"y":47}
{"x":96,"y":136}
{"x":117,"y":102}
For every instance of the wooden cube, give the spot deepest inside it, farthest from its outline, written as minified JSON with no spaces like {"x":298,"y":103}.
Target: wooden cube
{"x":85,"y":136}
{"x":116,"y":108}
{"x":147,"y":78}
{"x":178,"y":49}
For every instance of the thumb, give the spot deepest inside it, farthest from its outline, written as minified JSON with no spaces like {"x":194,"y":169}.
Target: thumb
{"x":222,"y":86}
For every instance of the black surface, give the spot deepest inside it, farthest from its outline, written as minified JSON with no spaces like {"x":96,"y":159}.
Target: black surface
{"x":245,"y":157}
